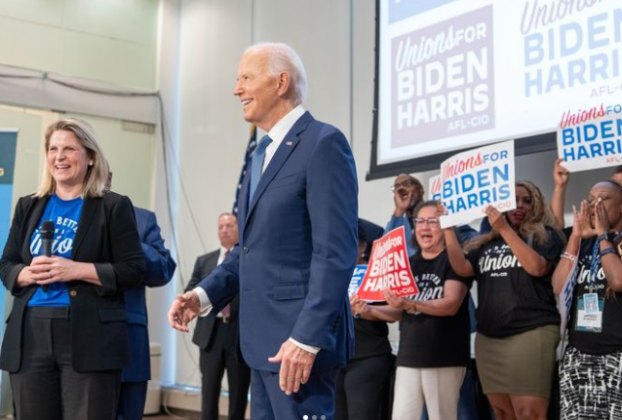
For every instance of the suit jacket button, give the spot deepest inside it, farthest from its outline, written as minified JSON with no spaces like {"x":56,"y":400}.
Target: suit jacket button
{"x":246,"y":250}
{"x":72,"y":293}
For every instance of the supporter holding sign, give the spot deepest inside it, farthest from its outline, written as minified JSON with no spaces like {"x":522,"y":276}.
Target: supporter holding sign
{"x":388,"y":268}
{"x":474,"y":180}
{"x":517,"y":318}
{"x":594,"y":352}
{"x":434,"y":328}
{"x":590,"y":138}
{"x":363,"y":383}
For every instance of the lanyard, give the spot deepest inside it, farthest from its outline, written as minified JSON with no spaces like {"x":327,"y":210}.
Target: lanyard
{"x":595,"y":263}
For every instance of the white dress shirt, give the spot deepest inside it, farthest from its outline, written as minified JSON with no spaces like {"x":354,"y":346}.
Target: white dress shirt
{"x":277,"y":134}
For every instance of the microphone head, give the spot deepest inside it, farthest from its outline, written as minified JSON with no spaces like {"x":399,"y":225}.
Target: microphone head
{"x":47,"y":230}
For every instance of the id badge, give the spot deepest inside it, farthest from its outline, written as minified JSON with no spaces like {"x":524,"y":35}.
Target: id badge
{"x":590,"y":313}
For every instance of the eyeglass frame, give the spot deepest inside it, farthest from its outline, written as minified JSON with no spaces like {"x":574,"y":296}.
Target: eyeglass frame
{"x":430,"y":221}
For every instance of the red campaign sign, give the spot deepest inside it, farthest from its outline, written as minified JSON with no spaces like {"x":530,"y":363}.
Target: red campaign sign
{"x":388,"y":268}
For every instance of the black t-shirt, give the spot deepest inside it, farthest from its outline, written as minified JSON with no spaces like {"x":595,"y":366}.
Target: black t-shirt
{"x":510,"y":301}
{"x":371,"y":339}
{"x":428,"y":341}
{"x":610,"y":338}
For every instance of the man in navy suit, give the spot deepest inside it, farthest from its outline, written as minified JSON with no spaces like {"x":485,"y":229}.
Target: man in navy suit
{"x":298,"y":245}
{"x":160,"y":269}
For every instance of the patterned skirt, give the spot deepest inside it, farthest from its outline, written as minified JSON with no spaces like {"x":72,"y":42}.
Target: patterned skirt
{"x":591,"y":386}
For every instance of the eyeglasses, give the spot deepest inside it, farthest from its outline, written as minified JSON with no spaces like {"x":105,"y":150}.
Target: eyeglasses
{"x":432,"y":221}
{"x":404,"y":184}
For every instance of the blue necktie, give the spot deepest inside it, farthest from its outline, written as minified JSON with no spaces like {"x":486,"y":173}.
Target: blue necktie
{"x":259,"y":155}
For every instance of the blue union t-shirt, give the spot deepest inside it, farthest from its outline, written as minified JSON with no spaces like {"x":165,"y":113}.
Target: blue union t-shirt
{"x":65,"y":215}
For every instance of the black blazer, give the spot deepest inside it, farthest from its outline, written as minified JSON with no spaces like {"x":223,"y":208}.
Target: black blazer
{"x":107,"y":237}
{"x":204,"y":330}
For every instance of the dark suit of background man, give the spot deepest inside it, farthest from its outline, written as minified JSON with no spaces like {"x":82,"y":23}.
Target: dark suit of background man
{"x":160,"y":269}
{"x":298,"y":244}
{"x":216,"y":336}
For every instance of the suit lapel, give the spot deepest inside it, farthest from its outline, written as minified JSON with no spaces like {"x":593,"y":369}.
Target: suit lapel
{"x":285,"y":149}
{"x":243,"y":206}
{"x":86,"y":218}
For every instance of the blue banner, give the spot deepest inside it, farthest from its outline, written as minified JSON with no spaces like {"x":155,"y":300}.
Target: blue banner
{"x":8,"y":147}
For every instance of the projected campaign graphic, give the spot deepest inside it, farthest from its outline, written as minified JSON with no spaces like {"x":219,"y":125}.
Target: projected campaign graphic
{"x":465,"y":73}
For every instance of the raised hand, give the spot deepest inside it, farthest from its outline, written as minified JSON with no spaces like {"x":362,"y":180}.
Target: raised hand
{"x":561,"y":175}
{"x":601,"y":221}
{"x":581,"y":226}
{"x":496,"y":219}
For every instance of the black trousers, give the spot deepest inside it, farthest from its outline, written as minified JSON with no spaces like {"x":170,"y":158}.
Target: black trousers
{"x":46,"y":386}
{"x":213,"y":361}
{"x":361,"y":387}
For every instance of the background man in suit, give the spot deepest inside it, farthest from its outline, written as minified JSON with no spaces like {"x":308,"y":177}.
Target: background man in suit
{"x":160,"y":269}
{"x":216,"y":335}
{"x":298,"y":245}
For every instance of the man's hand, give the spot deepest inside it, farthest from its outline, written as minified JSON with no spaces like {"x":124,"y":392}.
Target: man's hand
{"x":296,"y":364}
{"x":184,"y":309}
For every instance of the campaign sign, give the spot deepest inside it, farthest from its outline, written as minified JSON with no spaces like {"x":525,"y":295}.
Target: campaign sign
{"x":590,"y":138}
{"x":434,"y":188}
{"x":474,"y":180}
{"x":357,"y":278}
{"x":388,"y":268}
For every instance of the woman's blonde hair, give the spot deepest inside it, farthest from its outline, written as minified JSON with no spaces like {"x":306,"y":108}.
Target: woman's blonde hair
{"x":96,"y":174}
{"x":534,"y":225}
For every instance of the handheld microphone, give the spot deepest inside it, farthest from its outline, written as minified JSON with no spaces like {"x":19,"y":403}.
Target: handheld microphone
{"x":47,"y":238}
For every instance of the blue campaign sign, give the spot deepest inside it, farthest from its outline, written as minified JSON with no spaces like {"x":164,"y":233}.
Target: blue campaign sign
{"x":8,"y":147}
{"x":357,"y":278}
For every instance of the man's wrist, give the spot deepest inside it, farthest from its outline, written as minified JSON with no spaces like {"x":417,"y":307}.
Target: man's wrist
{"x":204,"y":303}
{"x":305,"y":347}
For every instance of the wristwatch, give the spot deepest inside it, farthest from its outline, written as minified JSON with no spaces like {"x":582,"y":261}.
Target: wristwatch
{"x":358,"y":315}
{"x":602,"y":237}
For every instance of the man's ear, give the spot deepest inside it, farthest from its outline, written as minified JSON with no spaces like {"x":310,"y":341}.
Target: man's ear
{"x":283,"y":83}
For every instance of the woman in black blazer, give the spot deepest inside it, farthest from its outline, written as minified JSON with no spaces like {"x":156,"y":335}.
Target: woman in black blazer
{"x":66,"y":337}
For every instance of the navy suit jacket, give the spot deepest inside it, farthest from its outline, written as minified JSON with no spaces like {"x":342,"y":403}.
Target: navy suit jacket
{"x":297,"y":249}
{"x":160,"y":268}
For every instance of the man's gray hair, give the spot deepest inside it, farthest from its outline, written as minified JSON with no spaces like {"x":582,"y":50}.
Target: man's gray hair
{"x":282,"y":57}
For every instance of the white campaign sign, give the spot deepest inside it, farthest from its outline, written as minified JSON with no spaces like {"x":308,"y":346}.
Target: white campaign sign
{"x":474,"y":180}
{"x":590,"y":139}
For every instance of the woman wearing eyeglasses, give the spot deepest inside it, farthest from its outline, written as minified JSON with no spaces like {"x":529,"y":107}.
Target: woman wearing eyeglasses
{"x":434,"y":328}
{"x":517,"y":318}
